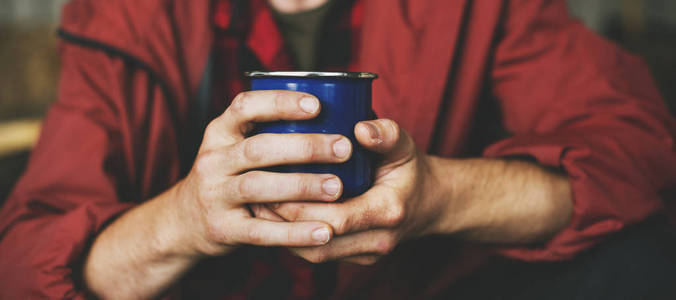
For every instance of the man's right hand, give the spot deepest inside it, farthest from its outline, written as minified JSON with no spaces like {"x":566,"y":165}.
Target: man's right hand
{"x":151,"y":246}
{"x":225,"y":179}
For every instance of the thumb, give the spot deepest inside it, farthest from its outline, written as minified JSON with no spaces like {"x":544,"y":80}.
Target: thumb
{"x":385,"y":137}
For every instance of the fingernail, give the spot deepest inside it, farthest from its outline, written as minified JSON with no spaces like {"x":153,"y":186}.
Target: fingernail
{"x":341,"y":148}
{"x":309,"y":105}
{"x":331,"y":187}
{"x":321,"y":235}
{"x":374,"y":134}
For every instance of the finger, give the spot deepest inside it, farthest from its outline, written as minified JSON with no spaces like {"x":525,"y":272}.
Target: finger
{"x":375,"y":242}
{"x":385,"y":137}
{"x":266,"y":106}
{"x":263,"y":212}
{"x":265,"y":150}
{"x":364,"y":260}
{"x":373,"y":209}
{"x":269,"y":187}
{"x":269,"y":233}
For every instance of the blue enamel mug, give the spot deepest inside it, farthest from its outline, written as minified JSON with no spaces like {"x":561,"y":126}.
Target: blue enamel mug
{"x":345,"y":99}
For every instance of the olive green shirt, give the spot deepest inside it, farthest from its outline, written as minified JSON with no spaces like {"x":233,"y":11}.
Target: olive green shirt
{"x":302,"y":33}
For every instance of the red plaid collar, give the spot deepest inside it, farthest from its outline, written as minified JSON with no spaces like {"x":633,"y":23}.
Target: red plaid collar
{"x":257,"y":27}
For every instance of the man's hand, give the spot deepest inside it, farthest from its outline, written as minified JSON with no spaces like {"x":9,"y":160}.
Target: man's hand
{"x":224,"y":179}
{"x":401,"y":204}
{"x":149,"y":247}
{"x":485,"y":200}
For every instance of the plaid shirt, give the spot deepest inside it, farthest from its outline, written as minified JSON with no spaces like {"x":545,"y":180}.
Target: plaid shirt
{"x":247,"y":38}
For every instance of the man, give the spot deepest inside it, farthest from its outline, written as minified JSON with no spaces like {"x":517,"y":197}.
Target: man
{"x":116,"y":204}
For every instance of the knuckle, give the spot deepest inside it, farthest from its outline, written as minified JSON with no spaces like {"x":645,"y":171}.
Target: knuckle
{"x":291,"y":211}
{"x":302,"y":186}
{"x":342,"y":225}
{"x":205,"y":195}
{"x":385,"y":245}
{"x":239,"y":109}
{"x":278,"y":102}
{"x":246,"y":186}
{"x":238,"y":104}
{"x":211,"y":130}
{"x":307,"y":149}
{"x":251,"y":150}
{"x":203,"y":163}
{"x":254,"y":236}
{"x":204,"y":188}
{"x":392,"y":127}
{"x":213,"y":230}
{"x":395,"y":215}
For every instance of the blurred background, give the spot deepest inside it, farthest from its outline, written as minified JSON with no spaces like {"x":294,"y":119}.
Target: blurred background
{"x":29,"y":61}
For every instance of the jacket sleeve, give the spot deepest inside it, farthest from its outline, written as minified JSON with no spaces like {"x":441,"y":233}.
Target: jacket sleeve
{"x":77,"y":175}
{"x":574,"y":101}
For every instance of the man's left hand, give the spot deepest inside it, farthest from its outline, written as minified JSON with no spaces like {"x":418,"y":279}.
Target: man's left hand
{"x":400,"y":205}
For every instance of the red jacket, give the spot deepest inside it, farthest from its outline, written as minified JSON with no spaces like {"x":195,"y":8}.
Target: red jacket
{"x":450,"y":70}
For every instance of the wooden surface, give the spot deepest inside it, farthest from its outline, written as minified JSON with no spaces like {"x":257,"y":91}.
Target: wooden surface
{"x":18,"y":136}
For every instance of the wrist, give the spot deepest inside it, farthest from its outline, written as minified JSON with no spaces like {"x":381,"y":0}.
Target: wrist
{"x":501,"y":201}
{"x":453,"y":185}
{"x":172,"y":226}
{"x":147,"y":248}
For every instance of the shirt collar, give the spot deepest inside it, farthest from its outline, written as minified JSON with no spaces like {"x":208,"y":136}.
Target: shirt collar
{"x":253,"y":22}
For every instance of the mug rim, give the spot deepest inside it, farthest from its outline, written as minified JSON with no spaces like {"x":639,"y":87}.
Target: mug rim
{"x":358,"y":75}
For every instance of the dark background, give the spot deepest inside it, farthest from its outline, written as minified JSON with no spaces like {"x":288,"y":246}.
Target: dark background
{"x":29,"y":61}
